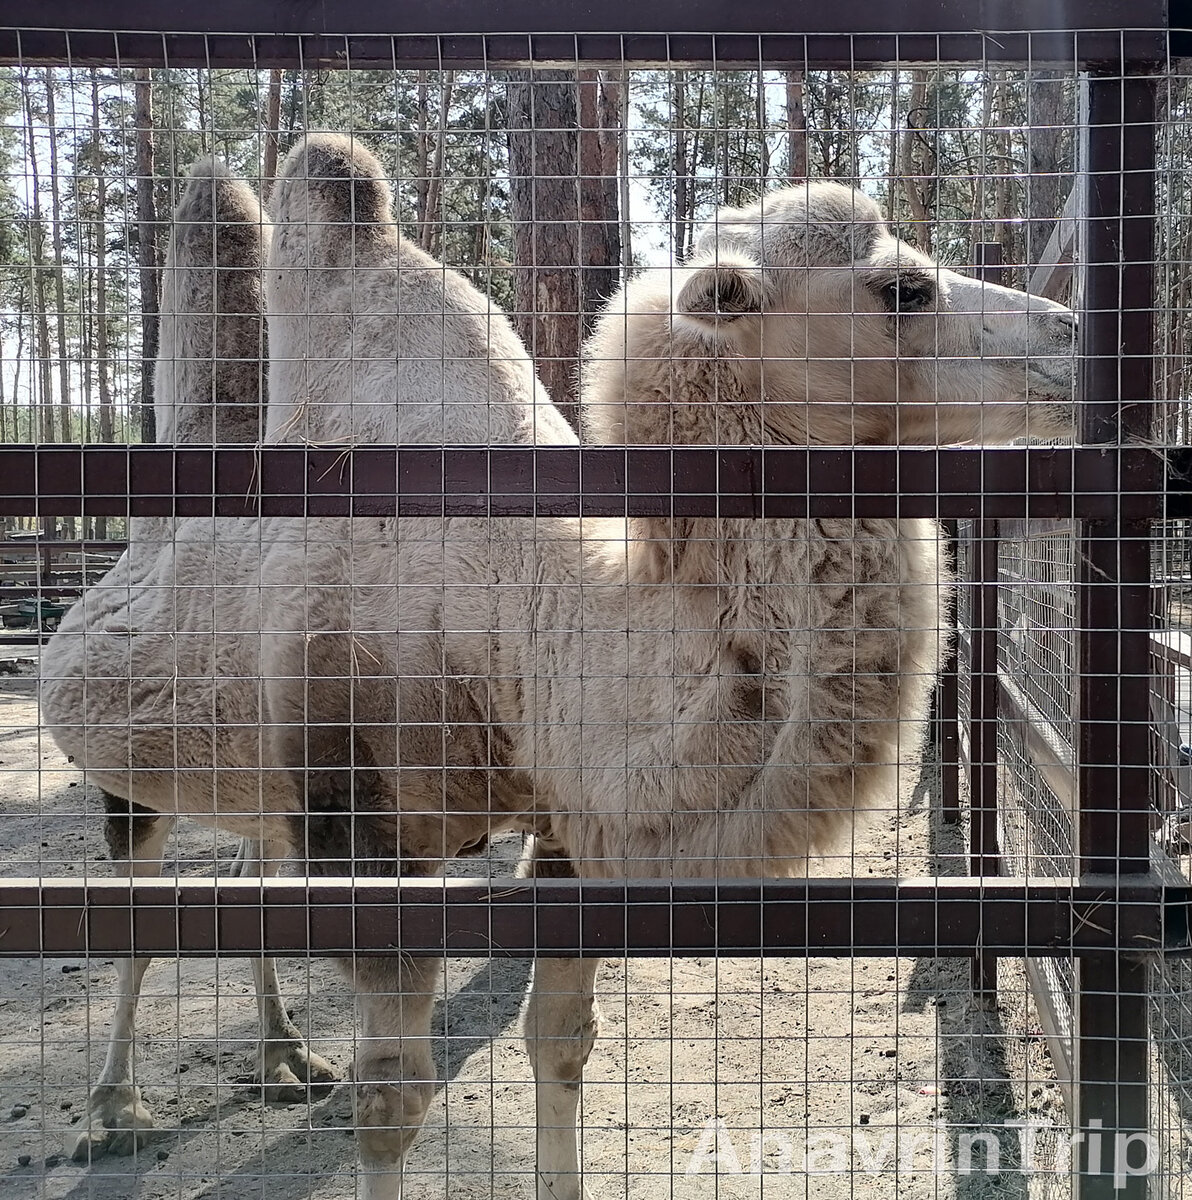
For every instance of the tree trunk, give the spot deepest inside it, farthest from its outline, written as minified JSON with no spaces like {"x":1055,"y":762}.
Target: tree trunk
{"x":37,"y":268}
{"x":691,"y":167}
{"x":3,"y":414}
{"x":422,"y":158}
{"x":101,"y":266}
{"x":479,"y":263}
{"x":617,"y":90}
{"x":147,"y":246}
{"x":614,"y":147}
{"x":544,"y":204}
{"x":87,"y":303}
{"x":59,"y":284}
{"x":1047,"y":172}
{"x":272,"y":132}
{"x":915,"y":170}
{"x":1004,"y":228}
{"x":201,"y":106}
{"x":895,"y":152}
{"x":599,"y":230}
{"x":980,"y":177}
{"x":101,"y":287}
{"x":432,"y":227}
{"x":294,"y":103}
{"x":682,"y":182}
{"x":763,"y":129}
{"x":17,"y":361}
{"x":796,"y":127}
{"x":827,"y":135}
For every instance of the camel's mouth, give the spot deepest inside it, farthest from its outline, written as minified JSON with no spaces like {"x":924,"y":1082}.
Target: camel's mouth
{"x":1056,"y":385}
{"x":1051,"y":416}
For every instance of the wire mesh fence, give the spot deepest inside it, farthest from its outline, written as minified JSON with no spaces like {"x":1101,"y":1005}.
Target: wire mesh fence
{"x":624,"y":609}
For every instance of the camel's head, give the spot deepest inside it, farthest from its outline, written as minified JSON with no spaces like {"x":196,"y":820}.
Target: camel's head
{"x":850,"y":335}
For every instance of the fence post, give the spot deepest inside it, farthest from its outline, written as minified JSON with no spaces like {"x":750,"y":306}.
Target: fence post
{"x":1111,"y":1049}
{"x":945,"y":701}
{"x":984,"y":852}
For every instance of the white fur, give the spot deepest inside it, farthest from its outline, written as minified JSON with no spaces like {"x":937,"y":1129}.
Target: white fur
{"x":650,"y":697}
{"x":207,"y":388}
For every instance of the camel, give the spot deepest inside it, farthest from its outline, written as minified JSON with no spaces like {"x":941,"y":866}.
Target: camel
{"x":645,"y":697}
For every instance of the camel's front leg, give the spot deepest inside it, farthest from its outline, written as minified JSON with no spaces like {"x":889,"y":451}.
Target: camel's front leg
{"x":561,"y":1024}
{"x":117,"y":1118}
{"x":286,"y":1068}
{"x":394,"y":1072}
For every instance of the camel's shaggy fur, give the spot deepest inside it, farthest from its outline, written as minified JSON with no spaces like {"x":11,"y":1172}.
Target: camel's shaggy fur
{"x":648,"y":697}
{"x":208,"y":387}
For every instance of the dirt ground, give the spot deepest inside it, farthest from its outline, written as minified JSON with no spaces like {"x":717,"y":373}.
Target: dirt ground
{"x":733,"y":1079}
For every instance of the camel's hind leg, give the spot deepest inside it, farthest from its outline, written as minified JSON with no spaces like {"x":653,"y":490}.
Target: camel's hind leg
{"x":561,"y":1023}
{"x":117,"y":1119}
{"x":286,"y":1068}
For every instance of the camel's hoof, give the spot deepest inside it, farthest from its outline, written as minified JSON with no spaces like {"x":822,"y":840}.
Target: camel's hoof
{"x":117,"y":1123}
{"x":291,"y":1074}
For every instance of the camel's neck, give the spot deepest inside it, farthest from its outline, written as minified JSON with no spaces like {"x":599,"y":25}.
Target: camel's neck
{"x":703,"y":550}
{"x":740,"y":554}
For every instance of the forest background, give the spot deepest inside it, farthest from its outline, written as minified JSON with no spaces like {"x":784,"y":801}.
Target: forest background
{"x":543,"y":187}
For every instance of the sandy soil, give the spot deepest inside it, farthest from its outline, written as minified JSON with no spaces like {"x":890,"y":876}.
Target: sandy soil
{"x":830,"y":1065}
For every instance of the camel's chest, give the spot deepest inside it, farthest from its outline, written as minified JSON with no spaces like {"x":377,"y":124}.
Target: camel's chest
{"x":741,"y":679}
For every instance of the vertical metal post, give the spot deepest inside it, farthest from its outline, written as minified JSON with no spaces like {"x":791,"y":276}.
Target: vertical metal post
{"x":984,"y":853}
{"x":1110,"y":1054}
{"x":945,"y":709}
{"x":49,"y":531}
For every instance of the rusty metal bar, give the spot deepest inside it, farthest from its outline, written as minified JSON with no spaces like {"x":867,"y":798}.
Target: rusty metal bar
{"x":1036,"y":482}
{"x":518,"y":917}
{"x":850,"y":34}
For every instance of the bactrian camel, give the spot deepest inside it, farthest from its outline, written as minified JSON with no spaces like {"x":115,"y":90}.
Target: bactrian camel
{"x":646,"y":697}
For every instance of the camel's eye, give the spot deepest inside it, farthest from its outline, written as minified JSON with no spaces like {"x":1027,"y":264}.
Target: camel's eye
{"x":907,"y":292}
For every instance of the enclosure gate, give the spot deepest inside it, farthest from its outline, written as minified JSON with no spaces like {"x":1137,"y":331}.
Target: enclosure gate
{"x":1110,"y":919}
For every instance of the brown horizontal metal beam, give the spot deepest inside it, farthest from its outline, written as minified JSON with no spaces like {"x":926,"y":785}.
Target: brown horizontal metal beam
{"x":469,"y":33}
{"x":32,"y":546}
{"x":1037,"y":482}
{"x":518,"y":917}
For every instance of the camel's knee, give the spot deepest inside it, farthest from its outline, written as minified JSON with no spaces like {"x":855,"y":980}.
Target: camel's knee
{"x":394,"y":1073}
{"x":134,"y":834}
{"x":390,"y":1108}
{"x":562,"y":1023}
{"x":562,"y":1054}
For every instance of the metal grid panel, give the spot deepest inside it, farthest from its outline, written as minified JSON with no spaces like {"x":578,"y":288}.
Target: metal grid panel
{"x":752,"y":1053}
{"x":1037,"y":647}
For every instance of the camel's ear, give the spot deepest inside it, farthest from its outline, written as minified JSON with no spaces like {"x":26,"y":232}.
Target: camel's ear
{"x":722,"y":292}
